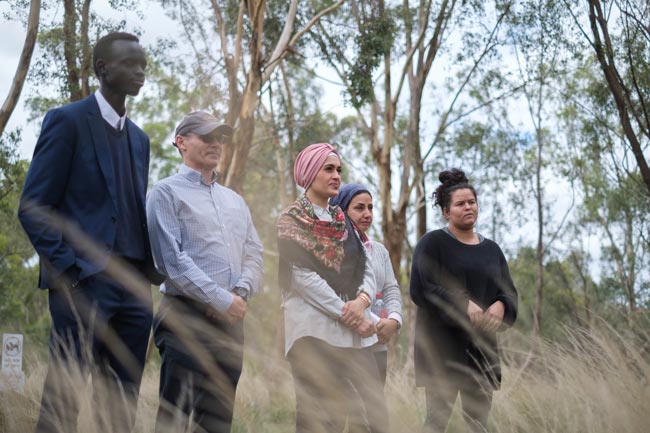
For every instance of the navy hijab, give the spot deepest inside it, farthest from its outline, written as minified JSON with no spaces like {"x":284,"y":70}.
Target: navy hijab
{"x":346,"y":193}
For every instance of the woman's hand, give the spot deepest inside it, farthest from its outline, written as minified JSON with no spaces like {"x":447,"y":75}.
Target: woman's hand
{"x":353,"y":313}
{"x":366,"y":328}
{"x":493,"y":316}
{"x":475,"y":314}
{"x":386,"y":329}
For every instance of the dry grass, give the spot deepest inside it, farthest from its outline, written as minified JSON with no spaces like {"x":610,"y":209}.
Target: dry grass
{"x":596,"y":382}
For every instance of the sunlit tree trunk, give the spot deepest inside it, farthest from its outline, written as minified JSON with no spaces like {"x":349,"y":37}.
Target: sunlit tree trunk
{"x":23,"y":64}
{"x":242,"y":113}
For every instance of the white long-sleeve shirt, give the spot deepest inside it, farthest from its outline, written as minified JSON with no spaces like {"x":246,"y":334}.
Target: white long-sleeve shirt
{"x":313,"y":309}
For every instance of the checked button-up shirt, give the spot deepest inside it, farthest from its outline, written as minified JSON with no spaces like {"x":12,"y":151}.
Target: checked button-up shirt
{"x":203,"y":239}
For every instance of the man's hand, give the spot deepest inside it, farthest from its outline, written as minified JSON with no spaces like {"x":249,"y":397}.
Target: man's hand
{"x":386,"y":329}
{"x":69,"y":279}
{"x":366,"y":328}
{"x":353,"y":313}
{"x":475,"y":314}
{"x":493,"y":316}
{"x":233,"y":314}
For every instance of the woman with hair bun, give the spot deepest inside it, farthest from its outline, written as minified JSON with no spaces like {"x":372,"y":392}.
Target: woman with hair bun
{"x":327,"y":285}
{"x":464,"y":294}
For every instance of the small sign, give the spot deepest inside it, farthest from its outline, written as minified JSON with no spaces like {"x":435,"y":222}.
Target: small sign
{"x":11,"y":375}
{"x":12,"y":353}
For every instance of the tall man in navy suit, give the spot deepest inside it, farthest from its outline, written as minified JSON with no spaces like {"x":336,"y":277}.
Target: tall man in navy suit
{"x":83,"y":210}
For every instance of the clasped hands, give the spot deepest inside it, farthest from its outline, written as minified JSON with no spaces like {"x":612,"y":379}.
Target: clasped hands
{"x":354,"y":317}
{"x":488,"y":320}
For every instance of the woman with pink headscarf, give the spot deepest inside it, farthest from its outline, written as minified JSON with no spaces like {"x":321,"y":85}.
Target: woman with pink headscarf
{"x":327,"y":286}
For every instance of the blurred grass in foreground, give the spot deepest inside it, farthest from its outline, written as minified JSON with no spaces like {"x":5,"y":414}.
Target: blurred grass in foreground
{"x":596,"y":381}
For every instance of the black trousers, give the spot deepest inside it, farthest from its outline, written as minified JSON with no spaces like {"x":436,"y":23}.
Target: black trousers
{"x":355,"y":422}
{"x":201,"y":366}
{"x":99,"y":328}
{"x":324,"y":376}
{"x":476,"y":399}
{"x":381,"y":358}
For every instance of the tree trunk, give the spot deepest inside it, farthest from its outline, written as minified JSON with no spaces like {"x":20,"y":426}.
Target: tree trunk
{"x":242,"y":145}
{"x":23,"y":65}
{"x":250,"y":99}
{"x":413,"y":146}
{"x":393,"y":227}
{"x":605,"y":55}
{"x":630,"y":279}
{"x":290,"y":133}
{"x":394,"y":235}
{"x":539,"y":281}
{"x":86,"y":52}
{"x":242,"y":113}
{"x":70,"y":49}
{"x":585,"y":287}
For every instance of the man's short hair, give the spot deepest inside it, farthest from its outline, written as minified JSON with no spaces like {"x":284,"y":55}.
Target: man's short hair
{"x":102,"y":48}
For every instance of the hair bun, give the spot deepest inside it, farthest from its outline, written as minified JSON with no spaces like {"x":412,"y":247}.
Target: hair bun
{"x":452,"y":177}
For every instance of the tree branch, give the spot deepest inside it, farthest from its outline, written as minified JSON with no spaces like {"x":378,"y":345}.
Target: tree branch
{"x":443,"y":124}
{"x":23,"y":65}
{"x":284,"y":42}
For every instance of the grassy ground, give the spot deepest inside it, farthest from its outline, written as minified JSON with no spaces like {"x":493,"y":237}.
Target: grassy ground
{"x":594,"y":382}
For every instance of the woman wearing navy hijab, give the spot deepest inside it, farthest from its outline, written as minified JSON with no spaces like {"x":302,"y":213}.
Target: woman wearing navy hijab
{"x":356,"y":202}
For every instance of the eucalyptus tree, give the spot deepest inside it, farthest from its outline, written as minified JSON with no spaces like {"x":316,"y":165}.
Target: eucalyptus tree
{"x":619,"y":36}
{"x":536,"y":35}
{"x":23,"y":64}
{"x":615,"y":203}
{"x":237,"y":46}
{"x":384,"y":53}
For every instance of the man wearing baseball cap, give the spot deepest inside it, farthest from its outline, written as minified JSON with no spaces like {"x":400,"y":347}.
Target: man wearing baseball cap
{"x":204,"y":241}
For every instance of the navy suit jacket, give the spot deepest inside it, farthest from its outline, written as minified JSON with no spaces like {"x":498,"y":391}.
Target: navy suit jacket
{"x":70,"y":188}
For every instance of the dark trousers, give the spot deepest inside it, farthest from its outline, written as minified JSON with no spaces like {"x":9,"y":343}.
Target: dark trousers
{"x":355,"y":422}
{"x":325,"y":378}
{"x":381,"y":358}
{"x":201,"y":366}
{"x":475,"y":397}
{"x":103,"y":329}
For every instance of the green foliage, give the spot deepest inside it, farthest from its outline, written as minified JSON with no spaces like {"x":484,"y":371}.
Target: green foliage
{"x":374,"y":41}
{"x":22,"y":307}
{"x":564,"y":302}
{"x":615,"y":201}
{"x":165,"y":100}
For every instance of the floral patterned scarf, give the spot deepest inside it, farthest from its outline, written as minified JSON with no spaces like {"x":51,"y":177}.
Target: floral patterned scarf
{"x":329,"y":248}
{"x":324,"y":239}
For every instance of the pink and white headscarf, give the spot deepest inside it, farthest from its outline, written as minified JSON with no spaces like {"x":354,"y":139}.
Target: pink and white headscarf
{"x":309,"y":162}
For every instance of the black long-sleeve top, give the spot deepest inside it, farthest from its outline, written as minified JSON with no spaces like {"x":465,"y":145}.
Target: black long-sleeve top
{"x":445,"y":275}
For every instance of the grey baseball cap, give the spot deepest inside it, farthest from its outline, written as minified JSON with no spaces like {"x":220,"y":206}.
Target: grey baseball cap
{"x":202,"y":123}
